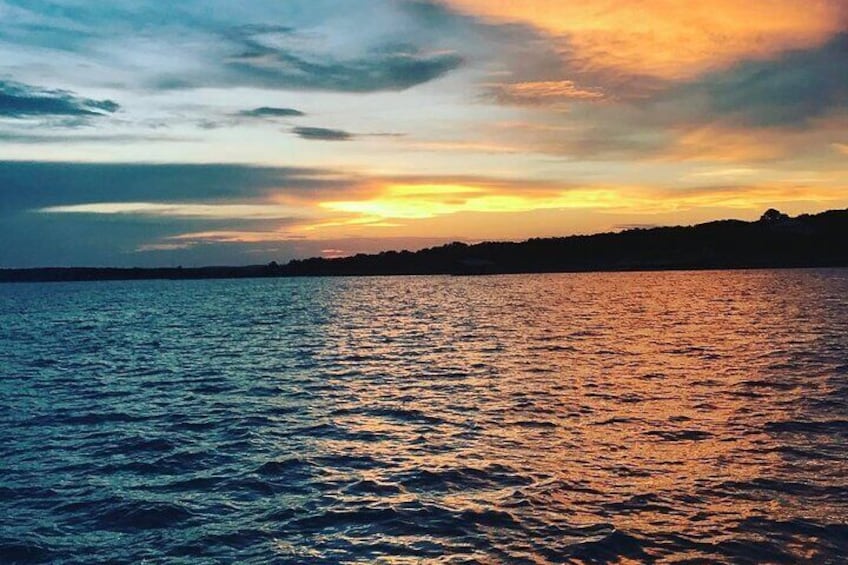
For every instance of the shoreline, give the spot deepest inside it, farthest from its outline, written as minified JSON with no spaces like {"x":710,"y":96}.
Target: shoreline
{"x":775,"y":241}
{"x":62,"y":274}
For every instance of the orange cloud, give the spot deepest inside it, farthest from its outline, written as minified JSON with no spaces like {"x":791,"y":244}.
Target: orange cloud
{"x":230,"y":236}
{"x":669,"y":38}
{"x":546,"y":92}
{"x":720,"y":142}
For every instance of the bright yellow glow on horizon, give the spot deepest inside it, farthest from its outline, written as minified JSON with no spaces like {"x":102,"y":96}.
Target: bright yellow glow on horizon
{"x":401,"y":206}
{"x":428,"y":201}
{"x":409,"y":209}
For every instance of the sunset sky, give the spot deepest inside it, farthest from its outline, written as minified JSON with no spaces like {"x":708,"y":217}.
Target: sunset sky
{"x":139,"y":132}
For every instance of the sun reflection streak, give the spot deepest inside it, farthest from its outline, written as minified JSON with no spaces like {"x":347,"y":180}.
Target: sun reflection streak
{"x":522,"y":402}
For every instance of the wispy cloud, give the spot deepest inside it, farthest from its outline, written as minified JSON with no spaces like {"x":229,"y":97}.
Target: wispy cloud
{"x":386,"y":69}
{"x":322,"y":134}
{"x":271,"y":112}
{"x":183,"y":210}
{"x":284,"y":58}
{"x":545,"y":92}
{"x":63,"y":137}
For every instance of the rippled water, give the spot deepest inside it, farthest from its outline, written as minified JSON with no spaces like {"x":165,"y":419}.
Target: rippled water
{"x":594,"y":418}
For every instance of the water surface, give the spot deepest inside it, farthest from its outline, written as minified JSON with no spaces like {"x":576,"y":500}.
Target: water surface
{"x":587,"y":418}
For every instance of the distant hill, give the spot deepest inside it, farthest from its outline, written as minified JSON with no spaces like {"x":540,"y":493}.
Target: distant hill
{"x":774,"y":241}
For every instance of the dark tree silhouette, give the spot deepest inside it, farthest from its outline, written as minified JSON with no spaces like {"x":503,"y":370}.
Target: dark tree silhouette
{"x":772,"y":215}
{"x":809,"y":240}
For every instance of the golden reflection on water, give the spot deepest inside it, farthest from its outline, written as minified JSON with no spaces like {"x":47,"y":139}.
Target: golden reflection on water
{"x":575,"y":418}
{"x":643,"y":401}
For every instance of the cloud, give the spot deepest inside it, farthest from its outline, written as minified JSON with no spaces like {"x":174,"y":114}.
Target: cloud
{"x":388,"y":67}
{"x":729,"y":141}
{"x":262,"y":211}
{"x":545,"y":92}
{"x":322,"y":134}
{"x":31,"y":185}
{"x":102,"y":213}
{"x":292,"y":59}
{"x":665,"y":39}
{"x":24,"y":137}
{"x":598,"y":133}
{"x":787,"y":90}
{"x":323,"y":45}
{"x":19,"y":100}
{"x":794,"y":105}
{"x":270,"y":112}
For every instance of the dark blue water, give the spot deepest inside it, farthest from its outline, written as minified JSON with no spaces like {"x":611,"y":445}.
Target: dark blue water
{"x":593,"y":418}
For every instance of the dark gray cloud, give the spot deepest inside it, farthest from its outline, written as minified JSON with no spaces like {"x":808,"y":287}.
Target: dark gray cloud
{"x":19,"y":100}
{"x":28,"y":185}
{"x":271,"y":112}
{"x":322,"y":134}
{"x":786,"y":91}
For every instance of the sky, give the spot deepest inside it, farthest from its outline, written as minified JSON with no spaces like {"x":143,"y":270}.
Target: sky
{"x":148,"y":133}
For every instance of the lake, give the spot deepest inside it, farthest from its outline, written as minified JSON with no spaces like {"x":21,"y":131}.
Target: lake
{"x":671,"y":417}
